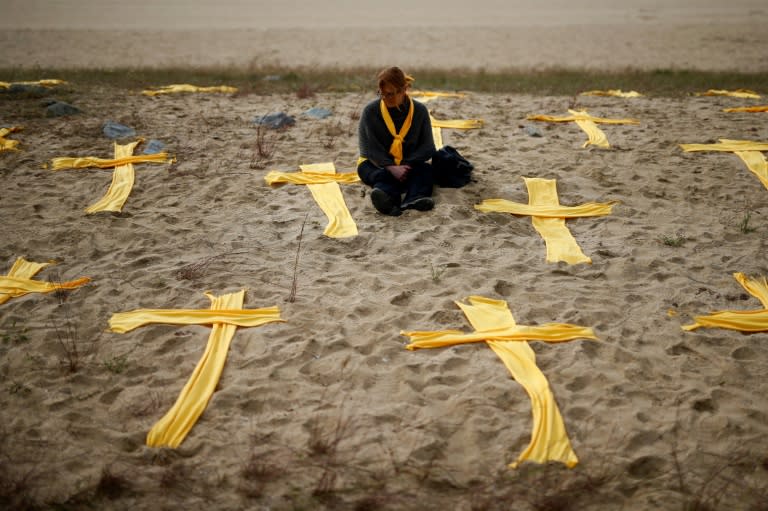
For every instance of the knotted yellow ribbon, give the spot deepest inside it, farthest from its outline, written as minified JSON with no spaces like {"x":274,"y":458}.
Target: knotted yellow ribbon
{"x":5,"y":144}
{"x":612,"y":92}
{"x":750,"y":153}
{"x":548,"y":218}
{"x":323,"y":182}
{"x":18,"y":281}
{"x":225,"y":316}
{"x":184,"y":87}
{"x":738,"y":93}
{"x":396,"y":149}
{"x":494,"y":324}
{"x":744,"y":321}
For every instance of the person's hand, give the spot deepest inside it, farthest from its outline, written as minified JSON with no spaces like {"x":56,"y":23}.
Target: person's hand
{"x":400,"y":172}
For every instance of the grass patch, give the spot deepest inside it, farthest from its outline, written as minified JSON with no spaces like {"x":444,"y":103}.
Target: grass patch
{"x":273,"y":80}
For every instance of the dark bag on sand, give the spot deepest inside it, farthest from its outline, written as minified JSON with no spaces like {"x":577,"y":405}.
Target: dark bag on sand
{"x":451,"y":169}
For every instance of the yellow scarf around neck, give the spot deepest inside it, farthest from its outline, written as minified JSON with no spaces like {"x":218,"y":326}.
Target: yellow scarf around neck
{"x":396,"y":150}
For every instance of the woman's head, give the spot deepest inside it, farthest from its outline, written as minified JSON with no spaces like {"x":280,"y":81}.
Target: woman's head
{"x":393,"y":84}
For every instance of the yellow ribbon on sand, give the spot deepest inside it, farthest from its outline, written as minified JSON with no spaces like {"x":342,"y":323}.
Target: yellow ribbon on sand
{"x":18,"y":281}
{"x":548,"y":218}
{"x":587,"y":123}
{"x":42,"y":83}
{"x":184,"y":87}
{"x":612,"y":92}
{"x":741,"y":320}
{"x":122,"y":177}
{"x":753,"y":109}
{"x":494,"y":324}
{"x":396,"y":149}
{"x":425,"y":96}
{"x":457,"y":124}
{"x":225,"y":316}
{"x":738,"y":93}
{"x":5,"y":144}
{"x":750,"y":153}
{"x":323,"y":181}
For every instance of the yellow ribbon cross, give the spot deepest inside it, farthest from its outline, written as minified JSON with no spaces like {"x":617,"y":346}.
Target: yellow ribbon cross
{"x":548,"y":217}
{"x":587,"y":123}
{"x":122,"y":176}
{"x":18,"y":281}
{"x":744,"y":321}
{"x":323,"y":181}
{"x":225,"y":315}
{"x":750,"y":153}
{"x":494,"y":324}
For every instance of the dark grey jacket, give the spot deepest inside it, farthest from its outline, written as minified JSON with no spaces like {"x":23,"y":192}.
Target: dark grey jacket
{"x":375,"y":139}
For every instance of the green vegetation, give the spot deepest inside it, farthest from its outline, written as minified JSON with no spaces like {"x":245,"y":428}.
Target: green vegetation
{"x":543,"y":82}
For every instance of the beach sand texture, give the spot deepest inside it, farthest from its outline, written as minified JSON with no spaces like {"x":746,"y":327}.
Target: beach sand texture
{"x":328,"y":409}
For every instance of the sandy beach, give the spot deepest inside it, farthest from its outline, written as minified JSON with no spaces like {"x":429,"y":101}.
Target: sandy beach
{"x":327,"y":409}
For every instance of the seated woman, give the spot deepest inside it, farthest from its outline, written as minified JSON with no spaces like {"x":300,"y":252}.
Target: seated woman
{"x":395,"y":137}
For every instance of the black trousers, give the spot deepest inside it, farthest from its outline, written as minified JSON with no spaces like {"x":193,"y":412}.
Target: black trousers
{"x":419,"y":182}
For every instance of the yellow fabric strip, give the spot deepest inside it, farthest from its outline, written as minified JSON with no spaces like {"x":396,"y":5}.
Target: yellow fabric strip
{"x":561,"y":245}
{"x":396,"y":149}
{"x":595,"y":135}
{"x":549,"y":332}
{"x":756,"y":163}
{"x":437,"y":137}
{"x":457,"y":124}
{"x":727,"y":145}
{"x":430,"y":94}
{"x":757,"y":287}
{"x":22,"y":269}
{"x":744,"y":321}
{"x":331,"y":201}
{"x":89,"y":161}
{"x":580,"y":115}
{"x":121,"y":185}
{"x":758,"y":108}
{"x":42,"y":83}
{"x":15,"y":286}
{"x":172,"y":429}
{"x":549,"y":439}
{"x":612,"y":92}
{"x":123,"y":322}
{"x":738,"y":93}
{"x":305,"y":178}
{"x":184,"y":87}
{"x":585,"y":210}
{"x":5,"y":144}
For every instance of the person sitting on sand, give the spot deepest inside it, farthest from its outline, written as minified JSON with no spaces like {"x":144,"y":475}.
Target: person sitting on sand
{"x":395,"y":137}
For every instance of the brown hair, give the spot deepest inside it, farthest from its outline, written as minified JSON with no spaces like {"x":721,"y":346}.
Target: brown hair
{"x":394,"y":76}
